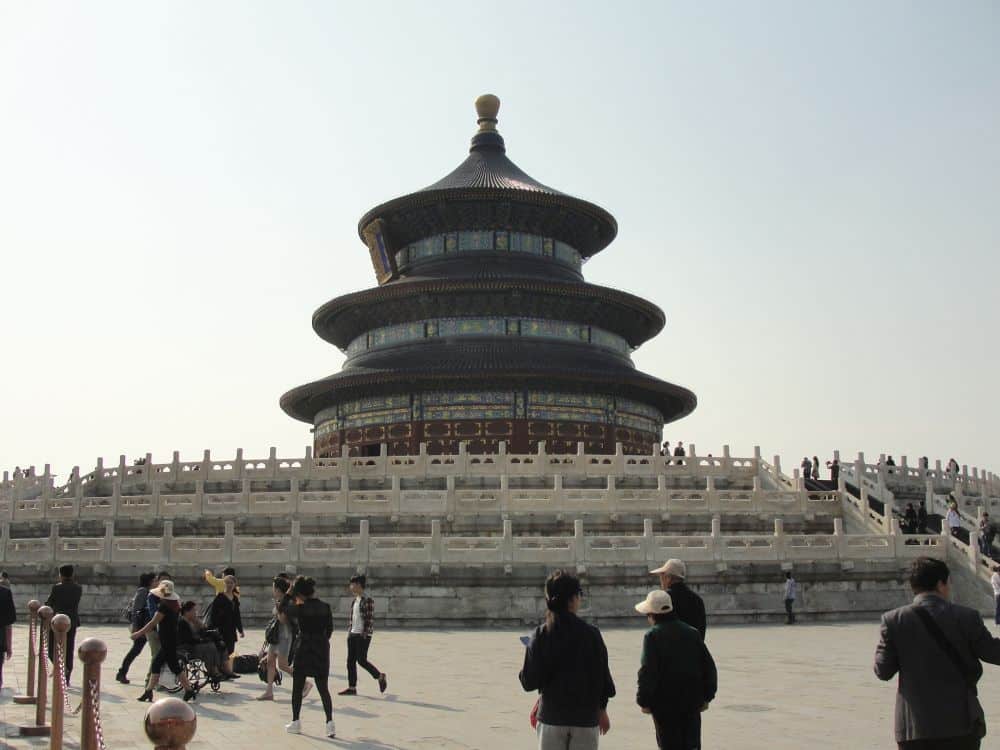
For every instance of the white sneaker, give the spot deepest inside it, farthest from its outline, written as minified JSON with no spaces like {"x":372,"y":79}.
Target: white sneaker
{"x":331,"y":730}
{"x":294,"y":728}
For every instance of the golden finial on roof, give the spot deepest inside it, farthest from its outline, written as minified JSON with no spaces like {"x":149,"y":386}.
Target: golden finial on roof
{"x":487,"y":107}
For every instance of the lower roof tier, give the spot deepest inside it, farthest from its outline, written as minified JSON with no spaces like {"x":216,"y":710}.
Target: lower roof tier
{"x":308,"y":402}
{"x":342,"y":320}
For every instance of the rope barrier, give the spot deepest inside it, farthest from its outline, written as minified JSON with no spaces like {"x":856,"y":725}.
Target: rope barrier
{"x":95,"y":698}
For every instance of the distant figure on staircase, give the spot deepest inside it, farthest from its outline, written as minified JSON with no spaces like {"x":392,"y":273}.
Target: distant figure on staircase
{"x":665,"y":450}
{"x":910,"y":519}
{"x":679,"y":451}
{"x":890,"y":463}
{"x":922,"y":518}
{"x":806,"y":467}
{"x":952,"y":468}
{"x":923,"y":464}
{"x":986,"y":534}
{"x":953,"y":520}
{"x":834,"y":467}
{"x":815,"y":468}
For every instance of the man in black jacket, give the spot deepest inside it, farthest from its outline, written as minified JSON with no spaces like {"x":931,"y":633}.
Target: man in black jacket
{"x":65,"y":600}
{"x":677,"y":676}
{"x":8,"y":614}
{"x":687,"y":605}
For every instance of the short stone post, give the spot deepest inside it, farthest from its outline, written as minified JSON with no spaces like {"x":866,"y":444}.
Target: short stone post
{"x":40,"y":728}
{"x":29,"y":697}
{"x":362,"y":552}
{"x":92,"y":653}
{"x":60,"y":624}
{"x":170,"y":724}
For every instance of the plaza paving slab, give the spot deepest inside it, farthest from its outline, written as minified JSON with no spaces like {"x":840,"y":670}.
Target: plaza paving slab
{"x":803,"y":686}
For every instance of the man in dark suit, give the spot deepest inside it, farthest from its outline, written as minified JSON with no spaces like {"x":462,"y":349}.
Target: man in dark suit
{"x":8,"y":614}
{"x":65,"y":600}
{"x":936,"y":648}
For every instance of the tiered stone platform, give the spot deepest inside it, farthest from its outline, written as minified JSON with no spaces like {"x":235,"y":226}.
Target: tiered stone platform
{"x":467,"y":539}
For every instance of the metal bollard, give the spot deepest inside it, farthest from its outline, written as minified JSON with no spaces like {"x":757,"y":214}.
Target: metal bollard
{"x":28,"y":699}
{"x":92,"y":653}
{"x":60,"y":624}
{"x":40,"y":728}
{"x":170,"y":724}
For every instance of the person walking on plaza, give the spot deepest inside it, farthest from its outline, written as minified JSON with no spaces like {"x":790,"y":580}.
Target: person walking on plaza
{"x":314,"y":619}
{"x":791,"y":592}
{"x":677,"y":675}
{"x":152,"y":605}
{"x":139,"y":618}
{"x":359,"y":638}
{"x":688,"y":606}
{"x":566,"y":661}
{"x":936,"y":648}
{"x":8,"y":616}
{"x":65,"y":600}
{"x":165,"y":622}
{"x":224,"y":614}
{"x":279,"y":647}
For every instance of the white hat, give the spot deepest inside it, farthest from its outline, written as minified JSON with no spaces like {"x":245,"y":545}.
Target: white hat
{"x":657,"y":602}
{"x":673,"y":567}
{"x":166,"y":591}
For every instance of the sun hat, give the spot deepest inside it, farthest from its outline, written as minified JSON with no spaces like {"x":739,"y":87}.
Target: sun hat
{"x":672,"y":567}
{"x":657,"y":602}
{"x":166,"y":591}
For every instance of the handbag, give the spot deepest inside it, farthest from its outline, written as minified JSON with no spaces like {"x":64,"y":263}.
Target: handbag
{"x":272,"y":633}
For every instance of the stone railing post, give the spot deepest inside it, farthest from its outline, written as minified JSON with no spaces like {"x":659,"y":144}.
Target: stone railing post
{"x":40,"y":728}
{"x":363,"y":538}
{"x":718,"y":551}
{"x":507,"y":548}
{"x":437,"y":546}
{"x":647,"y":539}
{"x":295,"y":553}
{"x":28,"y":698}
{"x":170,"y":724}
{"x":579,"y":546}
{"x":779,"y":539}
{"x":92,"y":653}
{"x":229,"y":542}
{"x":60,"y":624}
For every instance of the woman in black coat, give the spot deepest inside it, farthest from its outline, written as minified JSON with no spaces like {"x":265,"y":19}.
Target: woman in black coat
{"x":224,"y":614}
{"x":314,"y":620}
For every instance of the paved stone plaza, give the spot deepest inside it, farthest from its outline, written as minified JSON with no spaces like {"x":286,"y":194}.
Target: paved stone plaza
{"x":780,"y":687}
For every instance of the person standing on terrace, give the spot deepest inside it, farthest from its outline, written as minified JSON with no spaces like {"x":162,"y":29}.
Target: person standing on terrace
{"x":679,"y":452}
{"x":834,"y":467}
{"x":953,"y":519}
{"x":687,"y":604}
{"x":806,"y":467}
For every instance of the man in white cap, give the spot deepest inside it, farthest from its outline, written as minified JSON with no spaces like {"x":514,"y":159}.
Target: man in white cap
{"x":688,"y":606}
{"x":677,"y":676}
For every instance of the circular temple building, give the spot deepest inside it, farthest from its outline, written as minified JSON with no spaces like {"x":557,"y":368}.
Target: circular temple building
{"x":482,"y":329}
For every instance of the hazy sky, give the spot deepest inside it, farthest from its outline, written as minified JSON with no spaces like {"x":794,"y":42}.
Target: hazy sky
{"x":809,"y":191}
